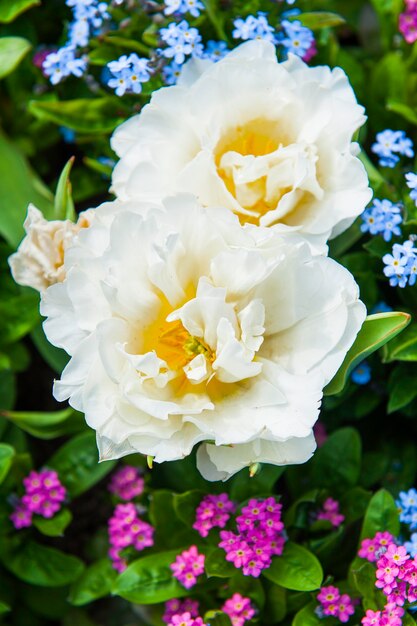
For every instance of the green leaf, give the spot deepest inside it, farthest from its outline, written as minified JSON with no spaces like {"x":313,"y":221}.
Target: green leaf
{"x":216,"y":565}
{"x":10,"y":9}
{"x":77,"y":464}
{"x":149,"y":580}
{"x":18,"y":316}
{"x":336,"y":465}
{"x":99,"y":115}
{"x":6,"y":458}
{"x":362,"y":577}
{"x":376,"y":331}
{"x":4,"y":608}
{"x":47,"y":425}
{"x":39,"y":565}
{"x":217,"y":618}
{"x":64,"y":205}
{"x":95,"y":582}
{"x":404,"y":347}
{"x":381,"y":515}
{"x":185,"y":505}
{"x":170,"y":532}
{"x":346,"y":240}
{"x":55,"y":526}
{"x":320,"y":19}
{"x":307,"y":616}
{"x":12,"y":51}
{"x":18,"y":186}
{"x":297,"y":569}
{"x":402,"y":387}
{"x":408,"y":113}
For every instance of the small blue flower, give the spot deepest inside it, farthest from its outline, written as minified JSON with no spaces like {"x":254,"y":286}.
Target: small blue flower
{"x":193,"y":7}
{"x":411,"y":546}
{"x":391,"y":143}
{"x":253,"y":27}
{"x":128,"y":74}
{"x":401,"y":265}
{"x":381,"y":307}
{"x":171,"y":73}
{"x":182,"y":41}
{"x":62,"y":63}
{"x":67,"y":134}
{"x":361,"y":375}
{"x":382,"y":218}
{"x":296,"y":38}
{"x":407,"y":506}
{"x":411,"y":179}
{"x":215,"y":50}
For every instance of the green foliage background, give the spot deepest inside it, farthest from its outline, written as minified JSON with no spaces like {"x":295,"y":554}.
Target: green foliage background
{"x":58,"y":572}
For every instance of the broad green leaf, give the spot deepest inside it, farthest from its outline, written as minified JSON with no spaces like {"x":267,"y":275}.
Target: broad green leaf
{"x":381,"y":515}
{"x":404,"y":347}
{"x":39,"y":565}
{"x":95,"y":115}
{"x":402,"y":387}
{"x":95,"y":582}
{"x":216,"y":564}
{"x":12,"y":51}
{"x":307,"y":616}
{"x":6,"y":458}
{"x":320,"y":19}
{"x":343,"y":242}
{"x":47,"y":425}
{"x":149,"y":580}
{"x":10,"y":9}
{"x":376,"y":331}
{"x":54,"y":526}
{"x":408,"y":620}
{"x":77,"y":464}
{"x":337,"y":464}
{"x":362,"y":578}
{"x":18,"y":187}
{"x":297,"y":569}
{"x":64,"y":205}
{"x":354,"y":503}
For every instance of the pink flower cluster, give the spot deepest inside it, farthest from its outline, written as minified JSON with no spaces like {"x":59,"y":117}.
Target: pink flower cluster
{"x":331,"y":512}
{"x":371,"y":549}
{"x":239,"y":609}
{"x":260,"y":537}
{"x":408,"y":21}
{"x":177,"y":607}
{"x":396,"y":576}
{"x":185,"y":619}
{"x":44,"y":495}
{"x":213,"y":511}
{"x":187,"y":566}
{"x":127,"y":483}
{"x":332,"y":602}
{"x":127,"y":529}
{"x":390,"y":616}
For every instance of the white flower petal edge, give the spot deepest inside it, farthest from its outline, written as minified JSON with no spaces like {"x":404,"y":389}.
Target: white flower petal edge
{"x":38,"y":262}
{"x":270,"y":141}
{"x":183,"y":327}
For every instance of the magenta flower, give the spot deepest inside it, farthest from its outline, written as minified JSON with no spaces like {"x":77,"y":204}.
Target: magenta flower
{"x":239,"y":609}
{"x":127,"y":483}
{"x":331,"y":513}
{"x":188,"y":566}
{"x":126,"y":529}
{"x":44,"y":495}
{"x":213,"y":511}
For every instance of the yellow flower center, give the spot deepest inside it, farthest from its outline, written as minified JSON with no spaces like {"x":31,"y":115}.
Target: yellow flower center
{"x":177,"y":347}
{"x":257,"y":138}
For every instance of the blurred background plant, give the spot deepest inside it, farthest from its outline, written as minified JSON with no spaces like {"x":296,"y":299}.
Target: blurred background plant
{"x":70,"y":73}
